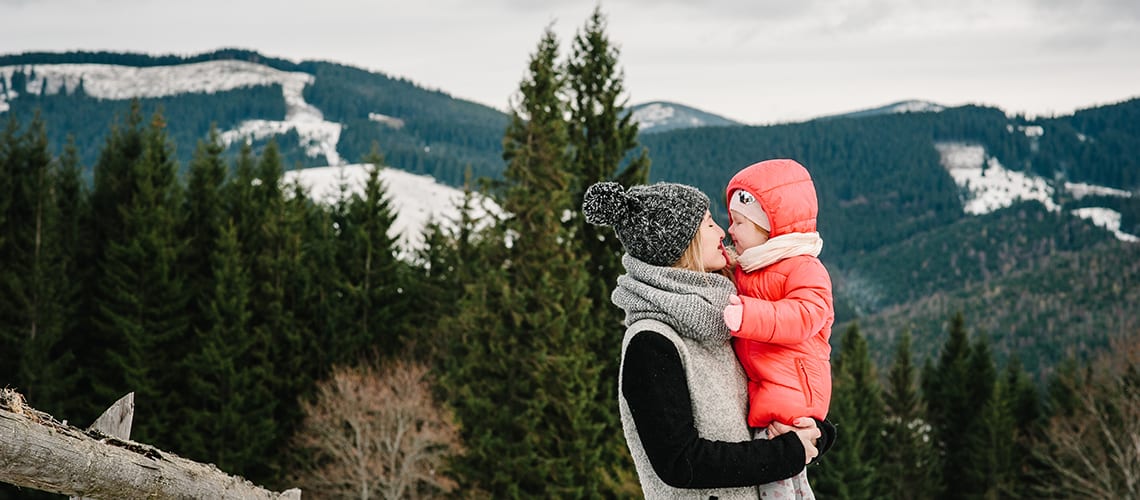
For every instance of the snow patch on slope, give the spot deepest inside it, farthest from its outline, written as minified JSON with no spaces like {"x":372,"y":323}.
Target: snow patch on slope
{"x":1079,"y":190}
{"x":108,"y":81}
{"x":415,"y":199}
{"x":988,"y":186}
{"x":657,"y":114}
{"x":1106,"y":218}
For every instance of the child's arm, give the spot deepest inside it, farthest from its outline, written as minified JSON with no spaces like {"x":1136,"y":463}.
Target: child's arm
{"x":802,"y":312}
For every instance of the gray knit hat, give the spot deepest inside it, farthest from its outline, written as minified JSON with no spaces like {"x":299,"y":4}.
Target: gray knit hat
{"x":655,"y":223}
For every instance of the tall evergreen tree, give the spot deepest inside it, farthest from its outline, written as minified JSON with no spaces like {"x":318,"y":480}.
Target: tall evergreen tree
{"x":205,"y":213}
{"x":954,"y":399}
{"x":371,"y":273}
{"x":15,"y":221}
{"x":270,"y":231}
{"x":32,"y":286}
{"x":231,"y":420}
{"x":1025,"y":404}
{"x":992,"y":431}
{"x":523,"y":381}
{"x":849,"y":470}
{"x":141,"y":292}
{"x":444,"y":268}
{"x":46,"y":286}
{"x":603,"y":137}
{"x":104,"y":225}
{"x":71,"y":208}
{"x":229,"y":411}
{"x":910,"y":465}
{"x":36,"y":292}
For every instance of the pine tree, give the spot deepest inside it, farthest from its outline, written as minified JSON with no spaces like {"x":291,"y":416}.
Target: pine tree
{"x":910,"y":465}
{"x":992,"y":432}
{"x":141,"y":292}
{"x":205,"y":212}
{"x":103,"y":225}
{"x":952,"y":393}
{"x":1025,"y":403}
{"x":230,"y":422}
{"x":270,"y":231}
{"x":849,"y":469}
{"x":523,"y":383}
{"x":32,"y":286}
{"x":443,"y":268}
{"x":370,"y":271}
{"x":43,"y":368}
{"x":14,"y":220}
{"x":71,"y":208}
{"x":228,"y":413}
{"x":602,"y":136}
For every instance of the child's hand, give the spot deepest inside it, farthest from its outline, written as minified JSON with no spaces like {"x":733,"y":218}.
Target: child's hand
{"x":806,"y":429}
{"x":733,"y":313}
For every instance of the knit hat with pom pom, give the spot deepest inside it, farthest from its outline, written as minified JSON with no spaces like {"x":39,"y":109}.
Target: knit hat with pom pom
{"x":655,"y":223}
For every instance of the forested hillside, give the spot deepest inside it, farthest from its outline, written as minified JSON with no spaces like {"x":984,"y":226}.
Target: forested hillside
{"x":261,"y":330}
{"x":424,"y":131}
{"x":891,"y":214}
{"x":897,"y":238}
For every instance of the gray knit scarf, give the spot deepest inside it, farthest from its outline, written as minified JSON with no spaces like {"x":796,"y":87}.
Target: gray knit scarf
{"x":689,"y":301}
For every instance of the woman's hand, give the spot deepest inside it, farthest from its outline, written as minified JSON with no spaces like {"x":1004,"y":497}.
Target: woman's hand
{"x":807,"y":431}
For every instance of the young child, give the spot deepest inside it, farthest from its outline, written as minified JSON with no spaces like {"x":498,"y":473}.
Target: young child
{"x":782,"y":318}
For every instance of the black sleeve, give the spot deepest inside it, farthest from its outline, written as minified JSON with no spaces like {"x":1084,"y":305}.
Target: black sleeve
{"x":656,"y":389}
{"x":827,"y":437}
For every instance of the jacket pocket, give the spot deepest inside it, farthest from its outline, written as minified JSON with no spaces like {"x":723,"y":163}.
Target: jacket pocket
{"x":805,"y":382}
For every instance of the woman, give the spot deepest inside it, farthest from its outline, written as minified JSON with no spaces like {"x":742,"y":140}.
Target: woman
{"x":682,"y":392}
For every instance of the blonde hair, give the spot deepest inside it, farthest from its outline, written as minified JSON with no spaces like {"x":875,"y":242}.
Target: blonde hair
{"x":694,"y":259}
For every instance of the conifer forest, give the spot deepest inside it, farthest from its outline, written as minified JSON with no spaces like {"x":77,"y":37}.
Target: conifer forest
{"x":296,"y":343}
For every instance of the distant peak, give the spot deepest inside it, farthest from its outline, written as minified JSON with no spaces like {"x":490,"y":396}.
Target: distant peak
{"x":659,"y":116}
{"x":908,"y":106}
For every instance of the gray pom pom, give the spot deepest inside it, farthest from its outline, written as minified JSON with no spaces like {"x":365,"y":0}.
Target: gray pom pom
{"x":605,"y":203}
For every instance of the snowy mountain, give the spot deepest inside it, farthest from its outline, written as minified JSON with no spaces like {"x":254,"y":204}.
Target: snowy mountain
{"x":908,"y":106}
{"x":662,"y":116}
{"x":416,"y":199}
{"x":318,"y":113}
{"x":986,"y":184}
{"x":115,"y":82}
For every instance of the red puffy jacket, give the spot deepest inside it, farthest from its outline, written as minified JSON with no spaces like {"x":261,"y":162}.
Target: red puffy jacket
{"x":788,"y":312}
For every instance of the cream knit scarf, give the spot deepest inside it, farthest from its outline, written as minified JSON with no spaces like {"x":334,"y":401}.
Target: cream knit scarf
{"x":780,"y":248}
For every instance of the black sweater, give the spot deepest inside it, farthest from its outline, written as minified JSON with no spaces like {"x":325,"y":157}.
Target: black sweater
{"x":656,"y":388}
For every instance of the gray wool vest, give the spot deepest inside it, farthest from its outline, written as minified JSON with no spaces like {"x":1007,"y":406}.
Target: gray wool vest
{"x":719,"y":393}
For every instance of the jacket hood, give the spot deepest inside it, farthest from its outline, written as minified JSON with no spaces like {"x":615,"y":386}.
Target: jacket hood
{"x":785,"y":191}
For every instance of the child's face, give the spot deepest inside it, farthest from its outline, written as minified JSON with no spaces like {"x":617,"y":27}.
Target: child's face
{"x":712,"y":248}
{"x":745,"y":234}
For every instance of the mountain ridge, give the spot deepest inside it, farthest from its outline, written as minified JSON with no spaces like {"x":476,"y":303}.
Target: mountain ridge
{"x":898,"y":191}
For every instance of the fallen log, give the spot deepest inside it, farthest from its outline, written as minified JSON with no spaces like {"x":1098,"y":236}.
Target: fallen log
{"x":39,"y":452}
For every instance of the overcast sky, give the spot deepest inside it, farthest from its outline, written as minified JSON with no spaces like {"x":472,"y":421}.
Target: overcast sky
{"x":755,"y":61}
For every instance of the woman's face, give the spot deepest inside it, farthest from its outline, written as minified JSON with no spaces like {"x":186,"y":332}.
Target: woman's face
{"x":712,"y":244}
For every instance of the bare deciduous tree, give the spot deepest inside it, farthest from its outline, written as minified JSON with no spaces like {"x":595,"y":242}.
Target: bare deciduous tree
{"x":1095,"y":451}
{"x":375,"y":433}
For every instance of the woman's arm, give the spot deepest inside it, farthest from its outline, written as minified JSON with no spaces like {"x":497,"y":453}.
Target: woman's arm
{"x":826,"y":432}
{"x":656,"y":388}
